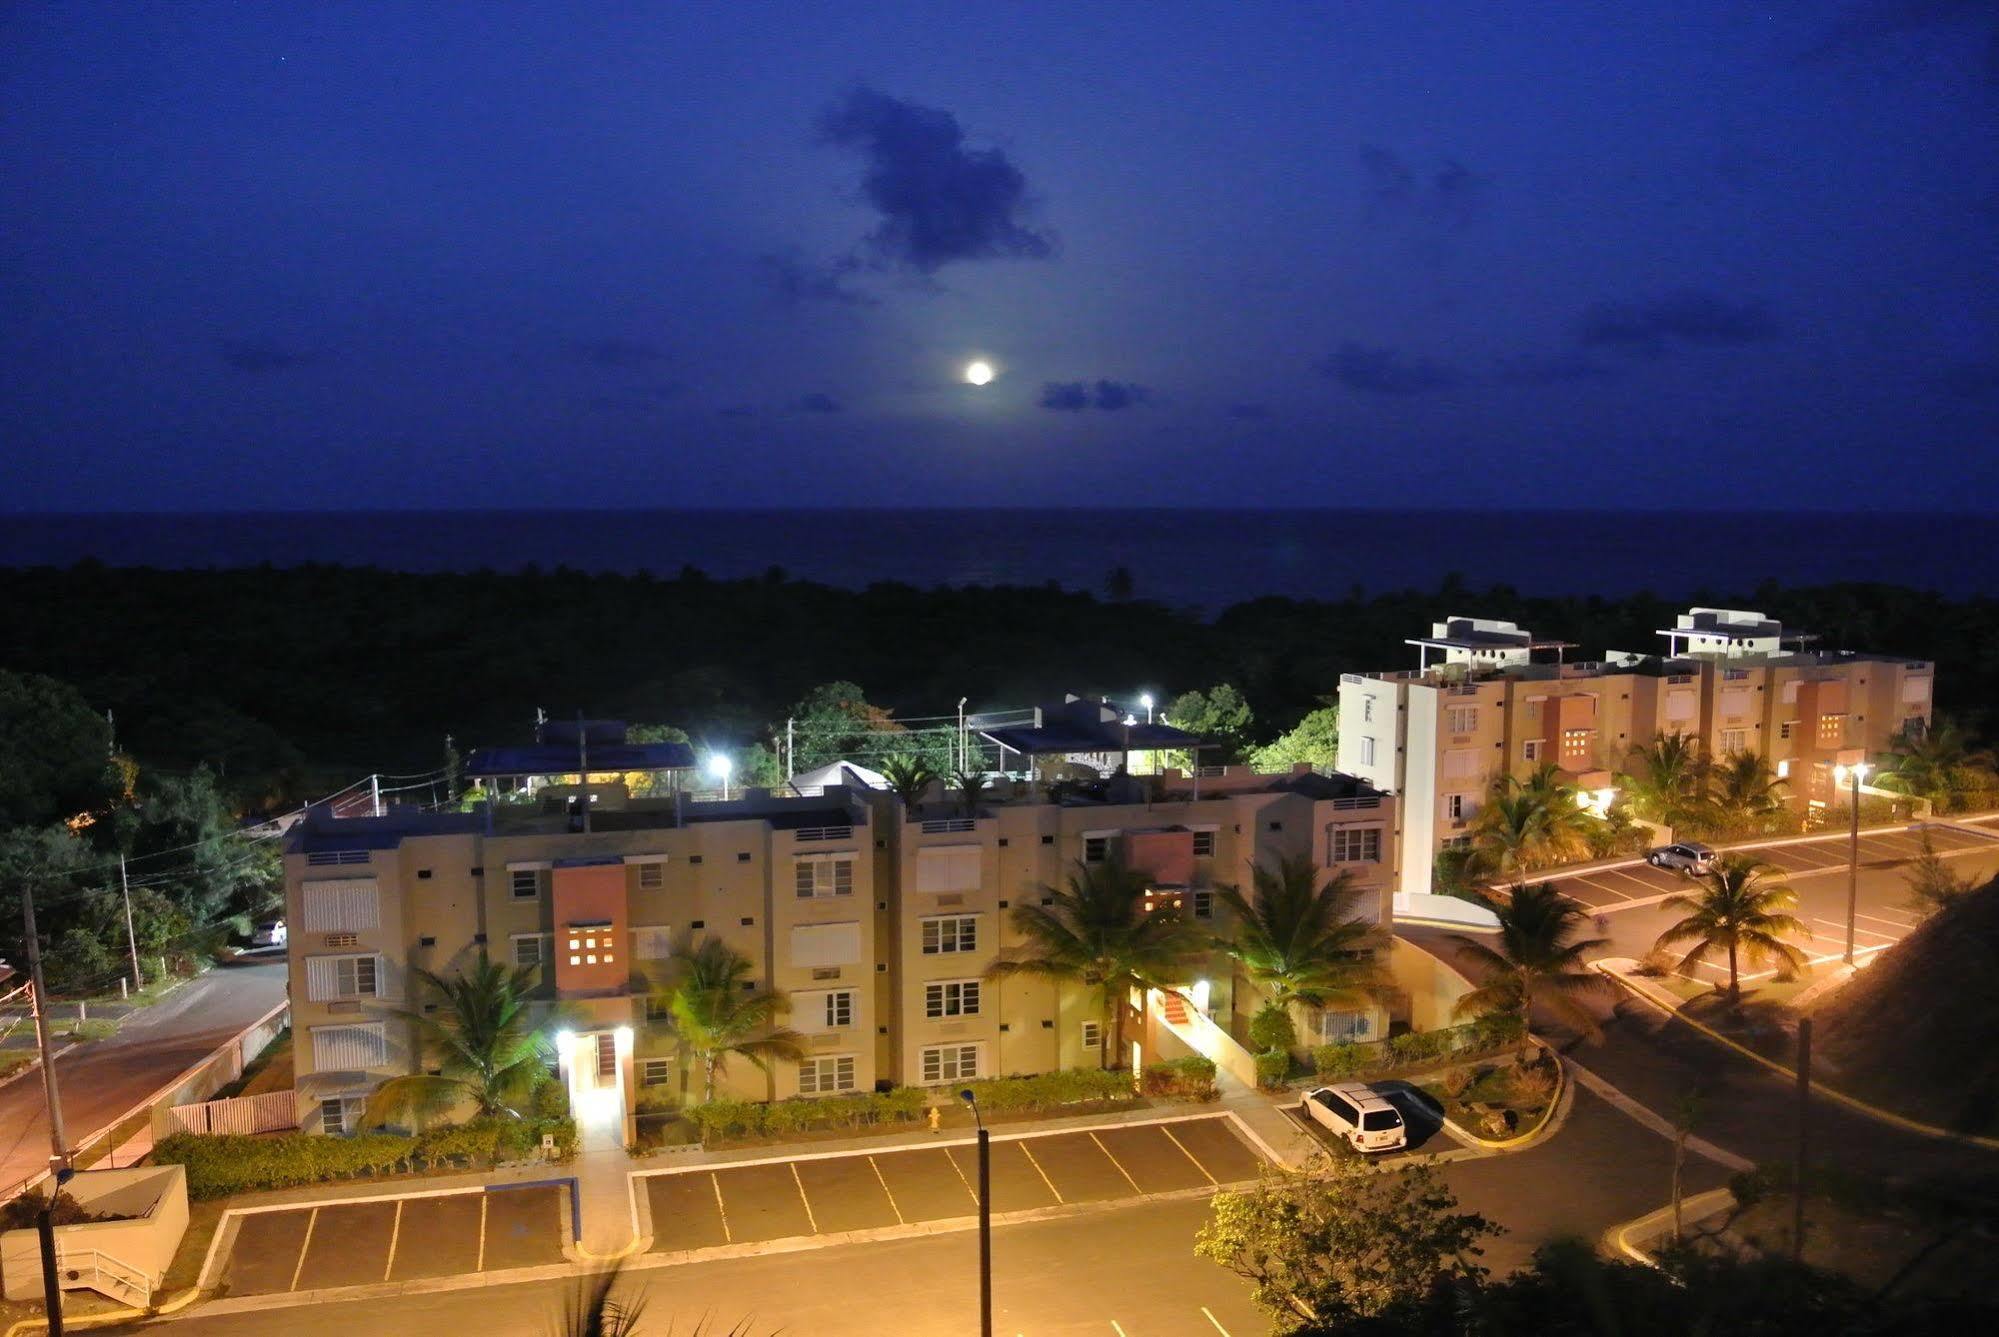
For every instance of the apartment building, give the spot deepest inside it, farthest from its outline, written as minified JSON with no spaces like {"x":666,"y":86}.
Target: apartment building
{"x":1487,"y":700}
{"x":879,"y":923}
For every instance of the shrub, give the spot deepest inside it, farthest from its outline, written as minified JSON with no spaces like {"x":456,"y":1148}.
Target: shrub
{"x":1457,"y":1081}
{"x":1532,"y":1084}
{"x":224,"y":1164}
{"x":786,"y":1118}
{"x":1273,"y":1068}
{"x":1496,"y":1030}
{"x":1416,"y":1046}
{"x":1047,"y":1090}
{"x":1335,"y":1062}
{"x":1190,"y":1078}
{"x":1272,"y":1028}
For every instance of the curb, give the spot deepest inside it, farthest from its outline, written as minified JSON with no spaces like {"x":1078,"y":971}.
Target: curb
{"x":1562,"y":1100}
{"x":1618,"y":1240}
{"x":1820,"y":1088}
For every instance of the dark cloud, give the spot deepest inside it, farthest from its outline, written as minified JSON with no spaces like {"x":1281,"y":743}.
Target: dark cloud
{"x":1451,"y":196}
{"x":1108,"y":396}
{"x":256,"y":357}
{"x":797,"y":282}
{"x":1533,"y":369}
{"x":618,"y":354}
{"x":1248,"y":412}
{"x":939,"y":201}
{"x":816,"y":402}
{"x":1385,"y":371}
{"x":1686,"y":319}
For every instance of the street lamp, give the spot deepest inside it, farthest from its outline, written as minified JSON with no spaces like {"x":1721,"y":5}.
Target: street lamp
{"x":1146,"y":701}
{"x":720,"y":766}
{"x":985,"y":1216}
{"x":1855,"y":773}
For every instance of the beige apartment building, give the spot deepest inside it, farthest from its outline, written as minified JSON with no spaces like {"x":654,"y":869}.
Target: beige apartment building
{"x":879,"y":924}
{"x":1487,"y":700}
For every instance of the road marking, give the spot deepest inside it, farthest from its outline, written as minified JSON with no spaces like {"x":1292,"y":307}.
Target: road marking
{"x":1903,"y":924}
{"x":395,"y":1233}
{"x":1190,"y":1156}
{"x":480,"y":1264}
{"x":969,"y":1190}
{"x":1840,"y":924}
{"x":1217,"y":1322}
{"x":1043,"y":1173}
{"x":304,"y":1248}
{"x":810,"y":1219}
{"x":1598,"y":887}
{"x":1114,"y":1161}
{"x":715,"y":1183}
{"x":1116,"y":1329}
{"x":886,"y":1193}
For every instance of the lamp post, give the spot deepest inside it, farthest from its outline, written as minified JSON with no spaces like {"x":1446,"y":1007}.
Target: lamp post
{"x":985,"y":1216}
{"x":1146,"y":701}
{"x":1855,"y":773}
{"x":720,"y":766}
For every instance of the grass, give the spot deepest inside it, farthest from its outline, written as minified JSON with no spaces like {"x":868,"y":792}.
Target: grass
{"x":1872,"y":1247}
{"x":1495,"y":1088}
{"x":269,"y":1071}
{"x":13,"y":1063}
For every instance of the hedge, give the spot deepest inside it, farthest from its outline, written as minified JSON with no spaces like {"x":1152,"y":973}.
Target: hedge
{"x":1273,"y":1067}
{"x":753,"y":1118}
{"x":1190,"y":1078}
{"x":1335,"y":1062}
{"x":222,"y":1164}
{"x":1047,"y":1090}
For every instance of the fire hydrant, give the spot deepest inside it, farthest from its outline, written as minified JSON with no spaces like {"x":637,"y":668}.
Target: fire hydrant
{"x":936,"y":1119}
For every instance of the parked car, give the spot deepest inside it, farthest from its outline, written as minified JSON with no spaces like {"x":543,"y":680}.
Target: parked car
{"x":270,"y":933}
{"x":1356,"y":1112}
{"x":1688,"y":856}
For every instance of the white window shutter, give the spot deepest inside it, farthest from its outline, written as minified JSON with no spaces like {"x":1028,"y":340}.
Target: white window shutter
{"x":947,"y":868}
{"x":322,"y":978}
{"x":826,"y":944}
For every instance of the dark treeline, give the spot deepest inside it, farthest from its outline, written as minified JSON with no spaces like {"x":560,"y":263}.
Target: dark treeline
{"x":279,"y":677}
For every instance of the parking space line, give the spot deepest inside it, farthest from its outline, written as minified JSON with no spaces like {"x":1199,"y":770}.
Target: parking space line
{"x":395,"y":1234}
{"x":1190,"y":1156}
{"x":1857,"y":931}
{"x":1217,"y":1322}
{"x":480,"y":1266}
{"x":961,"y":1176}
{"x":1043,"y":1173}
{"x":715,"y":1182}
{"x":893,"y":1205}
{"x":304,"y":1248}
{"x":810,"y":1219}
{"x":1116,"y":1329}
{"x":1114,"y":1161}
{"x":1904,"y":924}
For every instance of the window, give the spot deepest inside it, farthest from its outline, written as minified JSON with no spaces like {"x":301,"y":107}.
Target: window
{"x":1204,"y":905}
{"x":1784,"y":769}
{"x":1832,"y":728}
{"x":1576,"y":744}
{"x":825,"y":1074}
{"x":336,"y":905}
{"x":823,"y":875}
{"x":1096,"y":849}
{"x":949,"y":1063}
{"x":527,"y":949}
{"x":655,"y":1071}
{"x":1344,"y":1027}
{"x":1463,"y":719}
{"x":590,"y":943}
{"x":652,"y":876}
{"x":607,"y":1057}
{"x":651,"y":942}
{"x":1784,"y":729}
{"x":1367,"y":750}
{"x":950,"y":933}
{"x":339,"y":1115}
{"x":1733,"y":741}
{"x":359,"y":1046}
{"x":1355,"y":844}
{"x":1530,"y":751}
{"x":951,"y":998}
{"x":814,"y":945}
{"x":1454,"y":807}
{"x":1367,"y":710}
{"x":833,"y":1010}
{"x":1093,"y":1035}
{"x":328,"y":977}
{"x":1204,"y":844}
{"x":943,"y":868}
{"x":526,"y":883}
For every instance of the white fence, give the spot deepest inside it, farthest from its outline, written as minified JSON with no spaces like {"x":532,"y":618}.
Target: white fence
{"x":242,"y":1114}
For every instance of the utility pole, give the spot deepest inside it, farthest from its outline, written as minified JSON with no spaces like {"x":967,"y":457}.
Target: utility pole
{"x":375,"y":793}
{"x":985,"y":1215}
{"x":45,"y":1229}
{"x":37,"y":995}
{"x":790,"y":751}
{"x":131,"y":938}
{"x":1853,"y":860}
{"x":1804,"y":1123}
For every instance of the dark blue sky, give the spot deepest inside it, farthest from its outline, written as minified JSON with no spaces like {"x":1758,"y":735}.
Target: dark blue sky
{"x":1706,"y":253}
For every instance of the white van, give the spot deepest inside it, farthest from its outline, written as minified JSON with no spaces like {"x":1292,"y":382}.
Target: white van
{"x":1356,"y":1112}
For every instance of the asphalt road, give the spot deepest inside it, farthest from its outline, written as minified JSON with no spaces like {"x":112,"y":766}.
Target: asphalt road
{"x":101,"y":1081}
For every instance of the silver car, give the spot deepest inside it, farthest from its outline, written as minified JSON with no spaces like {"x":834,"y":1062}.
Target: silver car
{"x":270,"y":933}
{"x":1356,"y":1112}
{"x":1688,"y":856}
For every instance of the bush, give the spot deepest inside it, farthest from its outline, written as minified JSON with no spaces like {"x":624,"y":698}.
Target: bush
{"x":1190,"y":1078}
{"x":1273,"y":1068}
{"x":1457,"y":1081}
{"x":787,"y":1118}
{"x":1048,"y":1090}
{"x":1272,"y":1028}
{"x":1336,"y":1062}
{"x":1416,"y":1046}
{"x":220,"y":1165}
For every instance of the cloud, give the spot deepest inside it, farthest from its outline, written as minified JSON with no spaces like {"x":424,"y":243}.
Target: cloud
{"x":816,"y":402}
{"x":1385,"y":371}
{"x":1247,"y":412}
{"x":618,"y":354}
{"x":1107,"y":396}
{"x":940,"y":202}
{"x":1684,"y":319}
{"x":1534,"y":369}
{"x":255,"y":357}
{"x":797,"y":282}
{"x":1452,"y":196}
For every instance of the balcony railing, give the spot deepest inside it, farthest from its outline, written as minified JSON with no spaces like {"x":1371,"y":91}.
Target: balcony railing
{"x":949,"y":824}
{"x":808,"y":833}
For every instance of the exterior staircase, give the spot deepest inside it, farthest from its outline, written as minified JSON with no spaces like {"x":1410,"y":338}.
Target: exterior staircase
{"x":92,"y":1269}
{"x":1173,"y":1007}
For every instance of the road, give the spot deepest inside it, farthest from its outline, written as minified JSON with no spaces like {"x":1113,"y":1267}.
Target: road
{"x":102,"y":1081}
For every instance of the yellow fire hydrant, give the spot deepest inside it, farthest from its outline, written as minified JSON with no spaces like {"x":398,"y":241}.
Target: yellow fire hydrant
{"x":936,"y":1119}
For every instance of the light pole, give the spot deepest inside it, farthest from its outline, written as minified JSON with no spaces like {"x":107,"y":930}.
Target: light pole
{"x":1855,"y":773}
{"x":985,"y":1216}
{"x":1146,"y":701}
{"x":720,"y":766}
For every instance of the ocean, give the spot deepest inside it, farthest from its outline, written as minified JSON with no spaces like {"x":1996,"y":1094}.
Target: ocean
{"x":1200,"y":558}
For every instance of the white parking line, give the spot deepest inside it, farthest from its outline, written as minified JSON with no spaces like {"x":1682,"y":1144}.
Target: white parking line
{"x":1190,"y":1156}
{"x":1217,"y":1322}
{"x":1904,"y":924}
{"x":395,"y":1233}
{"x":1595,"y":886}
{"x":715,"y":1182}
{"x":892,"y":1206}
{"x":1116,"y":1329}
{"x":480,"y":1264}
{"x":810,"y":1219}
{"x":1114,"y":1161}
{"x":1839,"y":927}
{"x":304,"y":1248}
{"x":1043,"y":1173}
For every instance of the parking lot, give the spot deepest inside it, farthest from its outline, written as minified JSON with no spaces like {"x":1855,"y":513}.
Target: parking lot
{"x":823,"y":1195}
{"x":362,"y":1243}
{"x":1608,"y":888}
{"x":1422,"y":1121}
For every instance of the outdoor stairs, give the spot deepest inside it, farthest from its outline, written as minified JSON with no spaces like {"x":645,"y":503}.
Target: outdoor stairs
{"x":92,"y":1269}
{"x":1174,"y":1008}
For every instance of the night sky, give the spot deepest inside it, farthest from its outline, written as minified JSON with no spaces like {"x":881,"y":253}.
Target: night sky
{"x":1707,"y":254}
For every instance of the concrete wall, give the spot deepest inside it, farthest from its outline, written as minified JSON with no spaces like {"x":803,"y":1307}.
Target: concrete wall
{"x":1432,"y":987}
{"x":155,"y":1195}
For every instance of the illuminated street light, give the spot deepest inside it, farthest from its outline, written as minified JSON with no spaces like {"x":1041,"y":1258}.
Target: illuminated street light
{"x":1146,"y":701}
{"x":720,"y":766}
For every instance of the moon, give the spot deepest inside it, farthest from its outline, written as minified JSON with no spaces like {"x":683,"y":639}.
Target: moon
{"x":979,"y":373}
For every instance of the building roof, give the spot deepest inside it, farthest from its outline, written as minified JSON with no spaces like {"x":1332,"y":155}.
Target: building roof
{"x":562,"y":759}
{"x":1315,"y":785}
{"x":1470,"y":633}
{"x":1077,"y":725}
{"x":322,"y":830}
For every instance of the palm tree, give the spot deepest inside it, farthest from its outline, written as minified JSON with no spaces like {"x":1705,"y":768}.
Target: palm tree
{"x":971,"y":786}
{"x":1302,"y":942}
{"x":1743,"y":785}
{"x":908,"y":775}
{"x":1538,"y":960}
{"x":1568,"y":826}
{"x":1097,"y":932}
{"x":1940,"y":764}
{"x":715,"y":1016}
{"x":480,"y":1039}
{"x":1670,"y":776}
{"x":1510,"y":832}
{"x":1742,"y":907}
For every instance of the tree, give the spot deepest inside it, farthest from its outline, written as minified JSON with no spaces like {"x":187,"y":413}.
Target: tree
{"x":1538,"y":961}
{"x":1220,"y":716}
{"x":57,"y":750}
{"x":647,"y":783}
{"x":971,"y":787}
{"x":1933,"y":886}
{"x":1744,"y":788}
{"x":1302,"y":942}
{"x":1741,"y":909}
{"x":909,"y":776}
{"x":715,"y":1017}
{"x":1271,"y":1030}
{"x":1941,"y":765}
{"x":1315,"y":740}
{"x":835,"y":720}
{"x":1340,"y":1241}
{"x":1097,"y":932}
{"x":1670,"y":777}
{"x":1509,"y":833}
{"x":482,"y":1041}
